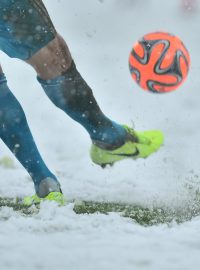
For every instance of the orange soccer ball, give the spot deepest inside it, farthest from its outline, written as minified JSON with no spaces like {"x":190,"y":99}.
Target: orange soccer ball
{"x":159,"y":62}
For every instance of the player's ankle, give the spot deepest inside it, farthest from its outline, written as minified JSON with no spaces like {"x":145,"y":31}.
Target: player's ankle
{"x":118,"y":140}
{"x":47,"y":186}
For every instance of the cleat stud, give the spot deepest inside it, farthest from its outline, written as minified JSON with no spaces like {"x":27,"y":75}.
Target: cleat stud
{"x":103,"y":166}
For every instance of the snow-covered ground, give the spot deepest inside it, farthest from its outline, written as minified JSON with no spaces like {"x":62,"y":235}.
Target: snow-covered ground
{"x":100,"y":34}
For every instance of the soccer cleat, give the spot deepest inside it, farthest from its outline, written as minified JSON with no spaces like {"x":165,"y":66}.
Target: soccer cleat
{"x":137,"y":145}
{"x":46,"y":186}
{"x":57,"y":197}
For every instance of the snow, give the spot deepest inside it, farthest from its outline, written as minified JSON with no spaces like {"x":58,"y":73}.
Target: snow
{"x":100,"y":35}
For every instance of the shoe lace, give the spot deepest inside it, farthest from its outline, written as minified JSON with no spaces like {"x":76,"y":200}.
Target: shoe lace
{"x":140,"y":138}
{"x":130,"y":131}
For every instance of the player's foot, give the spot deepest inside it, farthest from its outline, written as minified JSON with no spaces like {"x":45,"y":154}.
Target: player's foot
{"x":137,"y":145}
{"x":47,"y":190}
{"x":57,"y":197}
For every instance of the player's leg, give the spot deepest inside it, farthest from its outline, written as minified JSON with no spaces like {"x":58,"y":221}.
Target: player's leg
{"x":14,"y":130}
{"x":64,"y":85}
{"x":15,"y":133}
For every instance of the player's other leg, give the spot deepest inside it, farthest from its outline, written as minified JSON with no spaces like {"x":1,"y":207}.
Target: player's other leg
{"x":18,"y":30}
{"x":15,"y":133}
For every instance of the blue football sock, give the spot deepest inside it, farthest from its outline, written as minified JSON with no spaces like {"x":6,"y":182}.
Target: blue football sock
{"x":15,"y":133}
{"x":70,"y":93}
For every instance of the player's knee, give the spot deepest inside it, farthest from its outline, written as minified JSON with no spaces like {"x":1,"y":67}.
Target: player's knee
{"x":59,"y":50}
{"x":52,"y":60}
{"x":59,"y":53}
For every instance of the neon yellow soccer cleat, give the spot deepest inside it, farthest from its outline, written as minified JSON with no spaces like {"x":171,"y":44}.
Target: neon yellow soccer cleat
{"x":57,"y":197}
{"x":137,"y":145}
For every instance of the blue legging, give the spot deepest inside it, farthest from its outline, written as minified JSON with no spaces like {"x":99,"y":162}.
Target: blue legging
{"x":15,"y":133}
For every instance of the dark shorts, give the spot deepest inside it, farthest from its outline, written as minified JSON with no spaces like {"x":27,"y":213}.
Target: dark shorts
{"x":25,"y":27}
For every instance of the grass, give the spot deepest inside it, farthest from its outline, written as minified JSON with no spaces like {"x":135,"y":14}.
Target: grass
{"x":141,"y":215}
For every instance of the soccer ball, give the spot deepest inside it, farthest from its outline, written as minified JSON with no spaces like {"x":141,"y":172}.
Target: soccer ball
{"x":159,"y":62}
